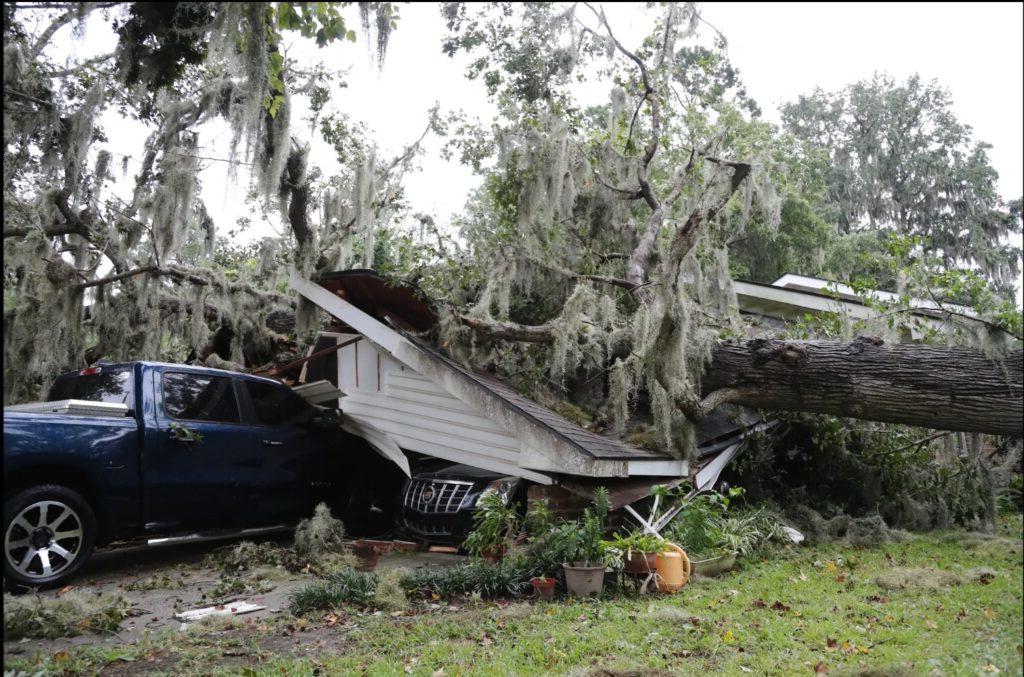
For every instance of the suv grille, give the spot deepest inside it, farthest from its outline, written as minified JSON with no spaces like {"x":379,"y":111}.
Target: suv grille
{"x":436,"y":496}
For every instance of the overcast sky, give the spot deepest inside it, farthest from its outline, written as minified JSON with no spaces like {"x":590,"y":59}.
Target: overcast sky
{"x":783,"y":50}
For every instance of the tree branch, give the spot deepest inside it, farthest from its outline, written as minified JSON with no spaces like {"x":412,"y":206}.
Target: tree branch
{"x":193,"y":276}
{"x":510,"y":331}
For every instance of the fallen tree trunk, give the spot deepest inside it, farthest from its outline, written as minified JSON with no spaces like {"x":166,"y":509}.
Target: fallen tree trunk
{"x":909,"y":383}
{"x":913,"y":384}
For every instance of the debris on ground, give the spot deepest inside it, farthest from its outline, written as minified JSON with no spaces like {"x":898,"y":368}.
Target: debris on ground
{"x":321,"y":534}
{"x":243,"y":557}
{"x":238,"y":586}
{"x":389,"y":595}
{"x":856,"y":531}
{"x":155,"y":582}
{"x":983,"y":575}
{"x":68,"y":615}
{"x":988,"y":543}
{"x":232,"y":609}
{"x":902,"y":578}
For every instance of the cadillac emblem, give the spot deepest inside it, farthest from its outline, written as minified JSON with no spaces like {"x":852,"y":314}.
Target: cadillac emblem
{"x":428,"y":495}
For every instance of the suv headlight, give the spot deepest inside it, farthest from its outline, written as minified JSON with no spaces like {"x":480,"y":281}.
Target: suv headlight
{"x":503,"y":488}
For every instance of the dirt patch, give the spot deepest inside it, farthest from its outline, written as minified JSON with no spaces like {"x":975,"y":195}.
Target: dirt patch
{"x":904,"y":578}
{"x":515,"y":611}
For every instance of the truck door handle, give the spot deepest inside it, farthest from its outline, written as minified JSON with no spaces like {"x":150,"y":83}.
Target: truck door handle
{"x":182,"y":436}
{"x":272,"y":443}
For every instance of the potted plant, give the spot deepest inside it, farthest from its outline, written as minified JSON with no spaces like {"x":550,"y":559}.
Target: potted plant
{"x":584,"y":575}
{"x":495,"y":529}
{"x":543,"y":587}
{"x":639,"y":551}
{"x":716,"y":536}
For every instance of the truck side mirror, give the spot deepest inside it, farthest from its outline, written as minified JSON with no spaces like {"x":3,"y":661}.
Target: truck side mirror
{"x":328,"y":419}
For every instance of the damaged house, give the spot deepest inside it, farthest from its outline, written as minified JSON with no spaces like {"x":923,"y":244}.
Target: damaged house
{"x":402,"y":395}
{"x":407,"y":399}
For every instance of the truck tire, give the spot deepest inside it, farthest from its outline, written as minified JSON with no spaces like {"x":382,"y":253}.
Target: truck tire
{"x":49,"y":532}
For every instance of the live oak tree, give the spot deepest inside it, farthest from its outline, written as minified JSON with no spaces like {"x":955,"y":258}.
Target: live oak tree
{"x":603,"y":236}
{"x":88,"y":274}
{"x":898,"y":161}
{"x":594,"y":260}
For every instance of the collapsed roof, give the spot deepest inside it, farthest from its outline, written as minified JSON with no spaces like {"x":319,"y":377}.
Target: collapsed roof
{"x":421,"y":400}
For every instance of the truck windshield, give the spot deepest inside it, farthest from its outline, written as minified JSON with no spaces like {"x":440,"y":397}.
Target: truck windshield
{"x":106,"y":385}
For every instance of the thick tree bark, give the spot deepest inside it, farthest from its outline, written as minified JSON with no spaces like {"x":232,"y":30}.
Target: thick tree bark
{"x":941,"y":388}
{"x":909,"y":383}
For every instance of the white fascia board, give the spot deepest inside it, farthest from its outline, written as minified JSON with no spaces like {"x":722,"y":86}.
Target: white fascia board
{"x":665,"y":468}
{"x":799,"y":301}
{"x":708,"y":475}
{"x":780,"y":300}
{"x":531,"y":456}
{"x":792,"y":280}
{"x":372,"y":329}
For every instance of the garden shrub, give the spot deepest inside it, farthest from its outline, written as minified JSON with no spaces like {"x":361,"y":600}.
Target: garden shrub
{"x":907,"y":476}
{"x":345,"y":586}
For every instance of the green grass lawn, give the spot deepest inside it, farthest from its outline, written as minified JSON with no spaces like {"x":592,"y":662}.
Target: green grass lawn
{"x":806,"y":609}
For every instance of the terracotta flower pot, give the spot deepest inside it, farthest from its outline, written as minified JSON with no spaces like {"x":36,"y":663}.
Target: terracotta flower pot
{"x":581,"y":580}
{"x":543,"y":588}
{"x":640,"y":563}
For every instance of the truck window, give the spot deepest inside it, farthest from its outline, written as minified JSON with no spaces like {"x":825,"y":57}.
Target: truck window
{"x":200,"y":398}
{"x":111,"y":385}
{"x":275,"y":406}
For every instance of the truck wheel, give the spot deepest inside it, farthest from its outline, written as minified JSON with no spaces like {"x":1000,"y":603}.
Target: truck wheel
{"x":49,"y":533}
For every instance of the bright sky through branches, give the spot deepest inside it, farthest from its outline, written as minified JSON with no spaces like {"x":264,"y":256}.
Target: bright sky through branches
{"x":975,"y":50}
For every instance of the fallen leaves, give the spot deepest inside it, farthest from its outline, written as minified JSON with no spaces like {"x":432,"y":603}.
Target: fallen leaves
{"x":820,"y":668}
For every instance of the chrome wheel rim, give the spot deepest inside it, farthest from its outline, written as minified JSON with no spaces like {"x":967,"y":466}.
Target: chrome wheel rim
{"x":43,"y":539}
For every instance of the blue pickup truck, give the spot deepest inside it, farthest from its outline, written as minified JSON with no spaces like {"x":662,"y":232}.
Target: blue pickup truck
{"x":196,"y":450}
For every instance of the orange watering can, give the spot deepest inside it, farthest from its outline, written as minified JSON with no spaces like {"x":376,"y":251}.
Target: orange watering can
{"x":673,"y":568}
